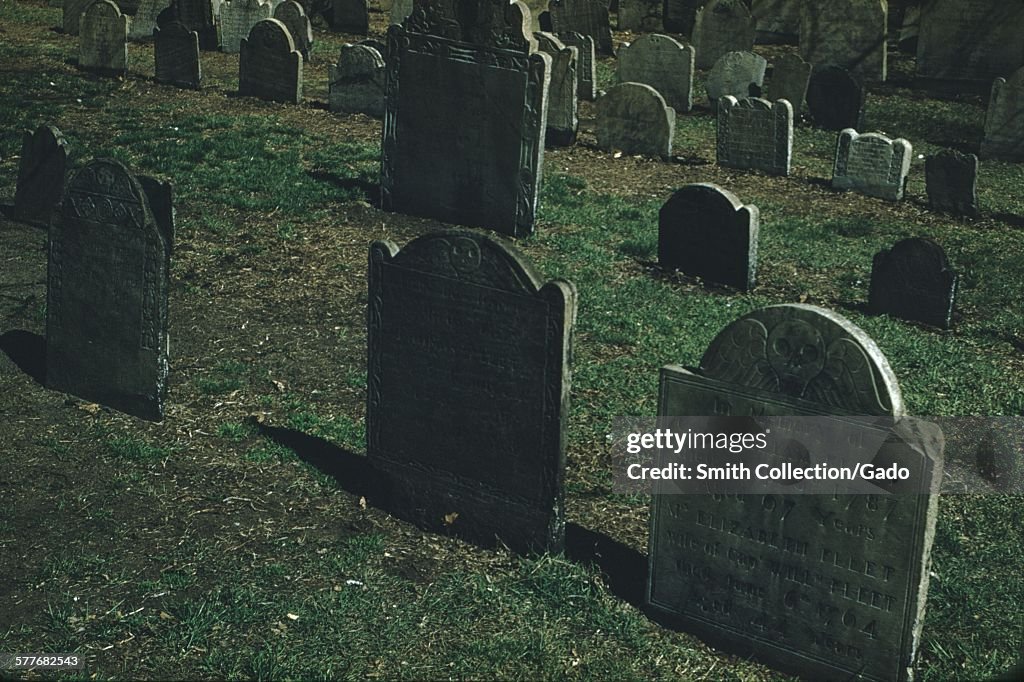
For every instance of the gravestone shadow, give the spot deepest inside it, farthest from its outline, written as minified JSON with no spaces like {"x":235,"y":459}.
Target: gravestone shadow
{"x":624,"y":568}
{"x":370,"y":189}
{"x":27,"y":351}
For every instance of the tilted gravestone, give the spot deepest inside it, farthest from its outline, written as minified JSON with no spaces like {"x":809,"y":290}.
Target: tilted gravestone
{"x":846,"y":33}
{"x":72,"y":15}
{"x":269,"y":66}
{"x":951,"y":180}
{"x":589,"y":17}
{"x":44,"y":159}
{"x":198,"y":16}
{"x":705,"y":231}
{"x":106,"y":299}
{"x":357,"y":81}
{"x":144,"y":21}
{"x":778,"y":21}
{"x":678,"y":16}
{"x":663,"y":63}
{"x":237,"y":17}
{"x":563,"y":102}
{"x":790,"y":76}
{"x":755,"y":133}
{"x":176,"y":53}
{"x":736,"y":74}
{"x":913,"y":281}
{"x":871,"y":164}
{"x":293,"y":16}
{"x":634,"y":119}
{"x":468,"y":387}
{"x":722,"y":26}
{"x":586,"y":71}
{"x":465,"y":116}
{"x":835,"y":99}
{"x":828,"y":586}
{"x":1004,"y":120}
{"x":103,"y":39}
{"x":351,"y":16}
{"x":640,"y":15}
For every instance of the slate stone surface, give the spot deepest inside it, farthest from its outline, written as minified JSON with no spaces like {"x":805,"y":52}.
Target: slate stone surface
{"x":633,"y":118}
{"x":846,"y":33}
{"x":640,"y":15}
{"x":176,"y":54}
{"x":835,"y":98}
{"x":44,"y":159}
{"x":237,"y":17}
{"x":589,"y":17}
{"x":293,"y":16}
{"x":198,"y":16}
{"x":103,"y":39}
{"x":778,"y":21}
{"x":951,"y":180}
{"x":563,"y":101}
{"x":739,"y":74}
{"x":269,"y":66}
{"x":1004,"y":120}
{"x":357,"y":81}
{"x":678,"y":16}
{"x":722,"y":26}
{"x":586,"y":73}
{"x":913,"y":281}
{"x":790,"y":75}
{"x":969,"y":41}
{"x":871,"y":164}
{"x":72,"y":15}
{"x":755,"y":133}
{"x":143,"y":21}
{"x":661,"y":62}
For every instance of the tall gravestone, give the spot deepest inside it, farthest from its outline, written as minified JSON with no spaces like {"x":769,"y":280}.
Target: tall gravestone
{"x":351,"y":16}
{"x":586,"y":71}
{"x":44,"y":160}
{"x":790,"y":76}
{"x":144,"y":20}
{"x":830,"y":587}
{"x":951,"y":180}
{"x":103,"y":39}
{"x":237,"y":17}
{"x":176,"y":53}
{"x":106,"y":299}
{"x":722,"y":26}
{"x":293,"y":16}
{"x":871,"y":164}
{"x":563,"y":102}
{"x":835,"y":98}
{"x":913,"y":281}
{"x":198,"y":16}
{"x":589,"y":17}
{"x":269,"y":66}
{"x":663,"y":63}
{"x":465,"y":116}
{"x":678,"y":16}
{"x":736,"y":74}
{"x":705,"y":231}
{"x":357,"y":81}
{"x":755,"y":133}
{"x":634,"y":119}
{"x":846,"y":33}
{"x":72,"y":15}
{"x":778,"y":21}
{"x":640,"y":15}
{"x":1004,"y":120}
{"x":469,"y":387}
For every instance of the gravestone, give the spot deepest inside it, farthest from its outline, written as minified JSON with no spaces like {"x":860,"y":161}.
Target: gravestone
{"x":400,"y":11}
{"x":951,"y":180}
{"x":755,"y":133}
{"x":640,"y":15}
{"x":468,"y":388}
{"x":176,"y":53}
{"x":72,"y":15}
{"x":198,"y":16}
{"x":106,"y":298}
{"x":269,"y":66}
{"x":829,"y":587}
{"x":871,"y":164}
{"x":705,"y":231}
{"x":465,"y":116}
{"x":913,"y":281}
{"x":790,"y":75}
{"x":586,"y":71}
{"x":44,"y":159}
{"x":1004,"y":120}
{"x":678,"y":16}
{"x":351,"y":16}
{"x":357,"y":81}
{"x":663,"y":63}
{"x":237,"y":17}
{"x":633,"y":118}
{"x":379,"y":45}
{"x":563,"y":102}
{"x":846,"y":33}
{"x":144,"y":20}
{"x":835,"y":99}
{"x":736,"y":74}
{"x":722,"y":26}
{"x":103,"y":39}
{"x":778,"y":21}
{"x":589,"y":17}
{"x":293,"y":16}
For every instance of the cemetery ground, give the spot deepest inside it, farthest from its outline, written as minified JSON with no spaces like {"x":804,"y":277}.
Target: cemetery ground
{"x":239,"y":537}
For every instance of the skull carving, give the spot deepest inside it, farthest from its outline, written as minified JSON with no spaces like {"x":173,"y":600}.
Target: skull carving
{"x":796,"y":353}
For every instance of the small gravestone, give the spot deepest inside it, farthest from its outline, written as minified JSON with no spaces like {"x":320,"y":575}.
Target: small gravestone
{"x":144,"y":20}
{"x":722,"y":26}
{"x":789,"y":82}
{"x":589,"y":17}
{"x":237,"y":17}
{"x":951,"y":180}
{"x":663,"y":63}
{"x":871,"y":164}
{"x":678,"y":16}
{"x":846,"y":33}
{"x":291,"y":14}
{"x":705,"y":231}
{"x":778,"y":21}
{"x":755,"y":133}
{"x":640,"y":15}
{"x":357,"y":82}
{"x":269,"y":66}
{"x":72,"y":15}
{"x":736,"y":74}
{"x":106,"y":299}
{"x":634,"y":119}
{"x":835,"y":98}
{"x":913,"y":281}
{"x":351,"y":16}
{"x":176,"y":53}
{"x":1004,"y":120}
{"x":198,"y":16}
{"x":103,"y":39}
{"x":468,"y":388}
{"x":586,"y":71}
{"x":563,"y":102}
{"x":44,"y":159}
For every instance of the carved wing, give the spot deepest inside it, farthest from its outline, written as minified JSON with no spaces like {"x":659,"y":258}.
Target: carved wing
{"x":739,"y":355}
{"x":848,"y":382}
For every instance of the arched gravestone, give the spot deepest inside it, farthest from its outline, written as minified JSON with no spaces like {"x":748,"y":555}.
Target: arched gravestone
{"x":589,"y":17}
{"x":586,"y":86}
{"x":144,"y":21}
{"x":44,"y":158}
{"x":634,"y":119}
{"x":722,"y":26}
{"x":269,"y":66}
{"x":827,"y":586}
{"x":951,"y":180}
{"x":237,"y":17}
{"x":293,"y":16}
{"x":835,"y":98}
{"x":176,"y":53}
{"x":705,"y":231}
{"x":465,"y":115}
{"x":1004,"y":120}
{"x":847,"y":33}
{"x":790,"y":76}
{"x":469,"y":388}
{"x":871,"y":164}
{"x":563,"y":102}
{"x":103,"y":39}
{"x":661,"y":62}
{"x":755,"y":133}
{"x":913,"y":281}
{"x":736,"y":74}
{"x":356,"y":83}
{"x":106,"y":298}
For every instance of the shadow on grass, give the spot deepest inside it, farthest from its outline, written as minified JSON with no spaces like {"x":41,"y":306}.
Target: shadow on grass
{"x":370,"y":189}
{"x":27,"y":351}
{"x":625,"y":568}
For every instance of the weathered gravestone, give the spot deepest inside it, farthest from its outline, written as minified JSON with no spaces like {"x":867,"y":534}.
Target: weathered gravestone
{"x":586,"y":71}
{"x":269,"y":66}
{"x":72,"y":15}
{"x":144,"y":21}
{"x":846,"y":33}
{"x":678,"y":16}
{"x":705,"y":231}
{"x":1004,"y":120}
{"x":351,"y":16}
{"x":293,"y":16}
{"x":198,"y":16}
{"x":790,"y":76}
{"x":469,"y":387}
{"x":913,"y":281}
{"x":828,"y":586}
{"x":755,"y":133}
{"x":176,"y":53}
{"x":465,"y":116}
{"x":589,"y":17}
{"x":778,"y":21}
{"x":871,"y":164}
{"x":106,"y":299}
{"x":237,"y":17}
{"x":722,"y":26}
{"x":103,"y":39}
{"x":739,"y":74}
{"x":663,"y":63}
{"x":835,"y":98}
{"x":640,"y":15}
{"x":44,"y":159}
{"x":563,"y":103}
{"x":379,"y":45}
{"x":951,"y":180}
{"x":357,"y":81}
{"x":634,"y":119}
